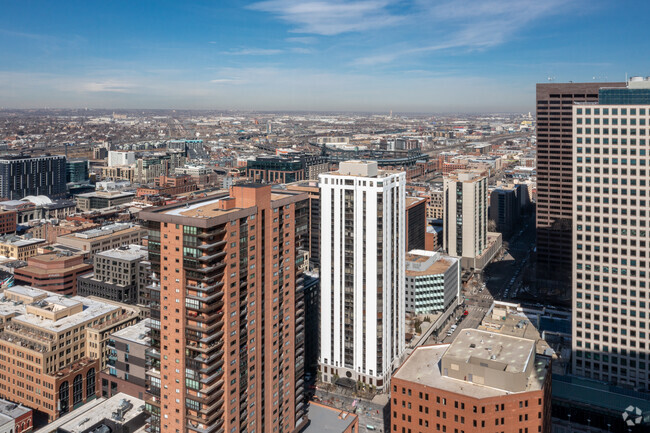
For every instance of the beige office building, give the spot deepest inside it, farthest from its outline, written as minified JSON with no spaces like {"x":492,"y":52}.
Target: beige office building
{"x":466,"y":214}
{"x":610,"y":238}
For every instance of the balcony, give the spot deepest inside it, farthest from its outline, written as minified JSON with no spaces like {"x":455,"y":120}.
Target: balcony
{"x":212,"y":387}
{"x":214,"y":428}
{"x":212,"y":337}
{"x":212,"y":378}
{"x":212,"y":245}
{"x":214,"y":357}
{"x":151,"y":352}
{"x":204,"y":288}
{"x":209,"y":369}
{"x":206,"y":235}
{"x":212,"y":257}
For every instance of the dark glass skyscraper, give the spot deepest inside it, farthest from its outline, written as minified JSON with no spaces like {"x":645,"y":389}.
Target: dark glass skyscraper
{"x":554,"y":180}
{"x":21,"y":176}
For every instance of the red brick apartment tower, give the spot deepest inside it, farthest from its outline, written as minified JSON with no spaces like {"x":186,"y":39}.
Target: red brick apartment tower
{"x":228,"y":328}
{"x":483,"y":383}
{"x":554,"y":177}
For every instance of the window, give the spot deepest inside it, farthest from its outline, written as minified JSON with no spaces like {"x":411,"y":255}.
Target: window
{"x":77,"y":390}
{"x":90,"y":383}
{"x":64,"y":398}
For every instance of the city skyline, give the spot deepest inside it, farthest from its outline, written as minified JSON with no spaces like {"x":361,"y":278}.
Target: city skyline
{"x":372,"y":55}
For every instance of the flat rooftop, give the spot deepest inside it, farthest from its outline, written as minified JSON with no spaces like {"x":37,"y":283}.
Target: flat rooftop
{"x":324,"y":419}
{"x":11,"y":409}
{"x":424,"y":364}
{"x":91,"y":309}
{"x":128,"y":252}
{"x":94,"y":412}
{"x":104,"y":231}
{"x":423,"y":367}
{"x":137,"y":333}
{"x":106,"y":194}
{"x":203,"y":209}
{"x":19,"y":242}
{"x":490,"y":346}
{"x":416,"y":263}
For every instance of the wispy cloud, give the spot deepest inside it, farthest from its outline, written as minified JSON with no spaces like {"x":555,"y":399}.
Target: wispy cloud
{"x":253,"y":52}
{"x":107,"y":86}
{"x":227,"y":81}
{"x":330,"y":17}
{"x":470,"y":24}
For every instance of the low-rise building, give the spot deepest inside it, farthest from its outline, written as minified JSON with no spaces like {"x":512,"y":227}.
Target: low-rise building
{"x":7,"y":221}
{"x":15,"y":418}
{"x":169,"y":185}
{"x":481,"y":381}
{"x":17,"y":247}
{"x":105,"y":238}
{"x":115,"y":274}
{"x":201,"y":175}
{"x":433,"y":281}
{"x":54,"y":272}
{"x":121,"y":413}
{"x":50,"y":230}
{"x":53,"y":347}
{"x":326,"y":419}
{"x":102,"y":199}
{"x":126,"y":364}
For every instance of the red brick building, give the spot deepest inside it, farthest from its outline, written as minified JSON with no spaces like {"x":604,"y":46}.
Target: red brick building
{"x":7,"y":221}
{"x":15,"y":417}
{"x":482,"y":382}
{"x":229,"y":330}
{"x":53,"y":272}
{"x":169,"y":185}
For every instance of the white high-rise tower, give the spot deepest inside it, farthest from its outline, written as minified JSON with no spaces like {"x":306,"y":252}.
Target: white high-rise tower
{"x":363,"y":230}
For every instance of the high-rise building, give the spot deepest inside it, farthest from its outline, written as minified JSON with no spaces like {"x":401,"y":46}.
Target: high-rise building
{"x":227,"y":313}
{"x":466,"y":210}
{"x":505,"y":209}
{"x":21,"y":176}
{"x":416,"y":223}
{"x":76,"y":170}
{"x":313,"y":242}
{"x":554,"y":177}
{"x":610,"y":238}
{"x":363,"y":231}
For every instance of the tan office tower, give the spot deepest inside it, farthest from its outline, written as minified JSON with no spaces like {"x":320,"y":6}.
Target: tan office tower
{"x":610,"y":239}
{"x":466,"y":210}
{"x":554,"y":171}
{"x":229,"y":327}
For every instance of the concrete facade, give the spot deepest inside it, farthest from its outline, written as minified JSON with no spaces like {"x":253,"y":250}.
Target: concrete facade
{"x":466,"y":210}
{"x":363,"y":233}
{"x":433,"y":282}
{"x":611,"y":284}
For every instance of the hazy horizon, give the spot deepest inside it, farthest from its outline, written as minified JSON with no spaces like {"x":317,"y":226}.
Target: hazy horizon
{"x":410,"y":56}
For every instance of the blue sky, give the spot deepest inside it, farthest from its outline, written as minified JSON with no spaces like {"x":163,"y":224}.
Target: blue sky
{"x":368,"y":55}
